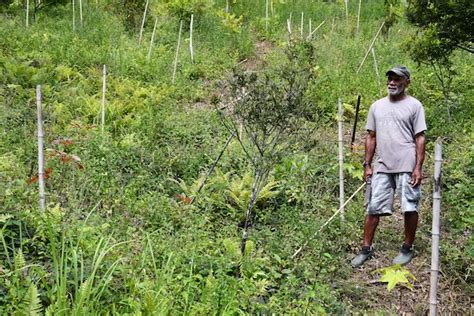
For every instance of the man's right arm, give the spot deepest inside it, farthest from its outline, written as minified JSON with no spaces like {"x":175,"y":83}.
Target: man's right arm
{"x":370,"y":144}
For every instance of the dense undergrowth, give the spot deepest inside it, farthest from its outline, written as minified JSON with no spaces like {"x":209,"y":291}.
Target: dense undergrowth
{"x":119,"y":234}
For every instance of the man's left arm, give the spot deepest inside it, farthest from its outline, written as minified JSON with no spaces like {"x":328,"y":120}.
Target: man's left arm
{"x":417,"y":174}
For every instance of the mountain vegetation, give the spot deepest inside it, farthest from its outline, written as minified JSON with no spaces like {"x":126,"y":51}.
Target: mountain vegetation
{"x":151,"y":211}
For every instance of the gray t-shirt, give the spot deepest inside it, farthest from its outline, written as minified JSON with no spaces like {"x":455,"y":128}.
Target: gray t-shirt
{"x":395,"y":125}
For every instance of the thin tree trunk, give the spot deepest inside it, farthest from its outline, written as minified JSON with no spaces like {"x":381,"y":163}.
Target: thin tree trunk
{"x":248,"y":217}
{"x":341,"y":160}
{"x":177,"y":51}
{"x":40,"y":149}
{"x":370,"y":47}
{"x":143,"y":23}
{"x":435,"y":229}
{"x":191,"y":38}
{"x":104,"y":84}
{"x":213,"y":167}
{"x":152,"y":39}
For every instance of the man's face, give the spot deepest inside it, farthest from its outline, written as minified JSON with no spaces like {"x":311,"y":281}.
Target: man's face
{"x":396,"y":85}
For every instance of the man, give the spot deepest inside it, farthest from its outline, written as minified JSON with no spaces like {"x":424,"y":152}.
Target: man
{"x":396,"y":133}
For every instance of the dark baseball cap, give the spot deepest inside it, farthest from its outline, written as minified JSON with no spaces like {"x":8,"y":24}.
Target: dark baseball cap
{"x":401,"y":71}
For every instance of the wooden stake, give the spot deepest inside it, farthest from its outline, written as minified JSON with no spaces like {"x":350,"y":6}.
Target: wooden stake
{"x":435,"y":229}
{"x":27,"y":12}
{"x":143,"y":23}
{"x":370,"y":47}
{"x":341,"y":160}
{"x":80,"y":11}
{"x":152,"y":39}
{"x":358,"y":16}
{"x":73,"y":16}
{"x":40,"y":149}
{"x":191,"y":38}
{"x":328,"y":221}
{"x":177,"y":51}
{"x":377,"y":72}
{"x":104,"y":80}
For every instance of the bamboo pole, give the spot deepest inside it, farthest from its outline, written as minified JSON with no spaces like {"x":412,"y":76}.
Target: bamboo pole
{"x":317,"y":28}
{"x":191,"y":38}
{"x":328,"y":221}
{"x":27,"y":12}
{"x":435,"y":229}
{"x":40,"y":149}
{"x":177,"y":51}
{"x":377,"y":72}
{"x":266,"y":15}
{"x":302,"y":25}
{"x":152,"y":39}
{"x":358,"y":16}
{"x":104,"y":84}
{"x":370,"y":47}
{"x":73,"y":16}
{"x":143,"y":23}
{"x":341,"y":159}
{"x":80,"y":11}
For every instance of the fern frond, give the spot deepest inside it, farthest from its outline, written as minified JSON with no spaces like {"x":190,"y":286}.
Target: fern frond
{"x":19,"y":261}
{"x":33,"y":302}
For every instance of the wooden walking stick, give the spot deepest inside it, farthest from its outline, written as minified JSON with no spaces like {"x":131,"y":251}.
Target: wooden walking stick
{"x":435,"y":229}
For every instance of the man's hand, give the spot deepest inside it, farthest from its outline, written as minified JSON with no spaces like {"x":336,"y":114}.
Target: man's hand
{"x":367,"y":172}
{"x":416,"y":177}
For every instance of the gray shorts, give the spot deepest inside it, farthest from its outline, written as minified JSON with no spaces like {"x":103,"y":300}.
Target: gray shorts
{"x":384,"y":186}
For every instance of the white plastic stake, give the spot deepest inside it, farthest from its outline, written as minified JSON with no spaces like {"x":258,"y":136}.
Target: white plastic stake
{"x":266,"y":15}
{"x":73,"y":16}
{"x":80,"y":11}
{"x":177,"y":51}
{"x":346,"y":3}
{"x":341,"y":160}
{"x":435,"y":230}
{"x":143,"y":23}
{"x":104,"y":84}
{"x":27,"y":12}
{"x":40,"y":149}
{"x":191,"y":38}
{"x":377,"y":71}
{"x":358,"y":16}
{"x":302,"y":24}
{"x":317,"y":28}
{"x":310,"y":29}
{"x":152,"y":39}
{"x":370,"y":47}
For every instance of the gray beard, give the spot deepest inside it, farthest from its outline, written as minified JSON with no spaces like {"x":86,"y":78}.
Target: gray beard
{"x":395,"y":92}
